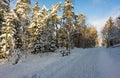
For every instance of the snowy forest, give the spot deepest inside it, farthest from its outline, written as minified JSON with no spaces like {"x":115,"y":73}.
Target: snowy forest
{"x":27,"y":29}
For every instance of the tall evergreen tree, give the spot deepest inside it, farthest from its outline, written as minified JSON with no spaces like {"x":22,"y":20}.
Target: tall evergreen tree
{"x":4,"y":7}
{"x":46,"y":29}
{"x":7,"y":43}
{"x":107,"y":32}
{"x":53,"y":21}
{"x":22,"y":10}
{"x":35,"y":25}
{"x":68,"y":17}
{"x":79,"y":33}
{"x":36,"y":29}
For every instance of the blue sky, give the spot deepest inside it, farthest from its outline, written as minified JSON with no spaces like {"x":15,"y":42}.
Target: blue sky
{"x":96,"y":11}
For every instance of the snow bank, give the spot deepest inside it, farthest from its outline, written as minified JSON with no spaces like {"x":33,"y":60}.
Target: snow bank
{"x":117,"y":45}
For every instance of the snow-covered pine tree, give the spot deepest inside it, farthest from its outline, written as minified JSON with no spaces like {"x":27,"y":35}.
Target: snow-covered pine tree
{"x":4,"y":7}
{"x":7,"y":39}
{"x":68,"y":17}
{"x":118,"y":28}
{"x":36,"y":30}
{"x":53,"y":20}
{"x":107,"y":32}
{"x":45,"y":39}
{"x":34,"y":27}
{"x":41,"y":29}
{"x":118,"y":21}
{"x":79,"y":31}
{"x":116,"y":31}
{"x":22,"y":10}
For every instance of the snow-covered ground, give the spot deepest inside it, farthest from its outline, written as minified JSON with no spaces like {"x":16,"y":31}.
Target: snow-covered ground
{"x":81,"y":63}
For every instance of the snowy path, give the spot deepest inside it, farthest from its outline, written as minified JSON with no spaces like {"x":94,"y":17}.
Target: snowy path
{"x":82,"y":63}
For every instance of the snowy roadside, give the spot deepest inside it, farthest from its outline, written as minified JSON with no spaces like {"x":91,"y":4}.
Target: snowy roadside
{"x":117,"y":45}
{"x":27,"y":66}
{"x":31,"y":65}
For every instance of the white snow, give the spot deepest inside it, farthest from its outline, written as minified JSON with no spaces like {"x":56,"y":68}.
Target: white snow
{"x":81,"y":63}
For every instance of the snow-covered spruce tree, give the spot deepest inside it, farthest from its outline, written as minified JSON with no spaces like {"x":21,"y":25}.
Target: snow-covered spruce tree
{"x":7,"y":39}
{"x":68,"y":17}
{"x":36,"y":29}
{"x":44,"y":40}
{"x":4,"y":7}
{"x":107,"y":32}
{"x":22,"y":10}
{"x":41,"y":31}
{"x":35,"y":25}
{"x":117,"y":31}
{"x":118,"y":21}
{"x":53,"y":21}
{"x":79,"y":31}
